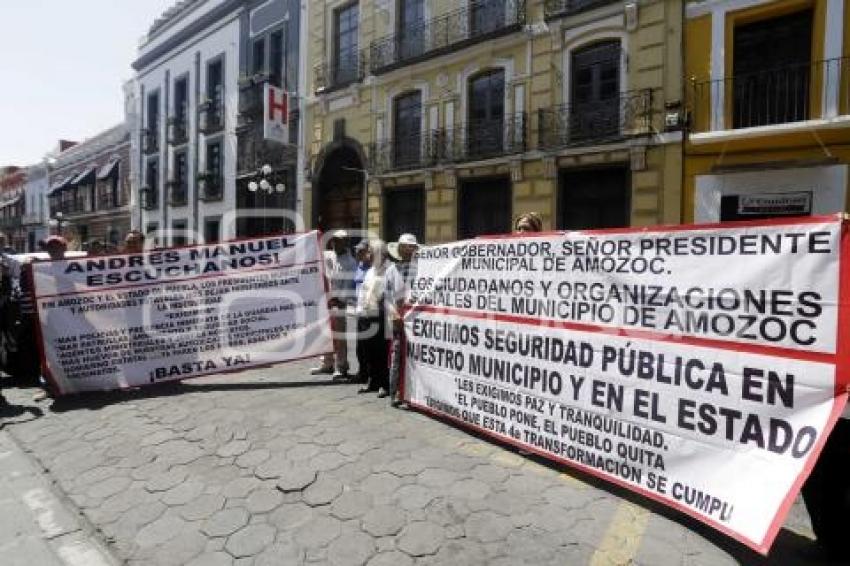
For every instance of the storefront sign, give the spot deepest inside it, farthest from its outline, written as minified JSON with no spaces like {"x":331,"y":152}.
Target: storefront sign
{"x":276,"y":107}
{"x":700,"y":367}
{"x":123,"y":321}
{"x":778,"y":204}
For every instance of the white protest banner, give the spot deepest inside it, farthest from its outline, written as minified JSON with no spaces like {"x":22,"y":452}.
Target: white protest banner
{"x":121,"y":321}
{"x":700,"y":366}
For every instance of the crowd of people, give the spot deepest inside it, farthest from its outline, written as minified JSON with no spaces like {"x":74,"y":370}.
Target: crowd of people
{"x":371,"y":286}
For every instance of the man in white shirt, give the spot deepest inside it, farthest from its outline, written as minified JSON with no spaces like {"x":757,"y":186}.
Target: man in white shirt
{"x":399,"y":276}
{"x":339,"y":269}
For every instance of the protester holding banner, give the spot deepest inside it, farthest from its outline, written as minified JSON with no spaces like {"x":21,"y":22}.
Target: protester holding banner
{"x":134,"y":243}
{"x":339,"y":269}
{"x":528,"y":223}
{"x":55,"y":246}
{"x":371,"y":317}
{"x":364,"y":263}
{"x":399,"y":276}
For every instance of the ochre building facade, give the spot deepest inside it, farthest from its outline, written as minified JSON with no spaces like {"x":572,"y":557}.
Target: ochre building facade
{"x":449,"y":119}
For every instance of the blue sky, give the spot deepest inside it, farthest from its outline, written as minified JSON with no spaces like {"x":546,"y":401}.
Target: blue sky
{"x":62,"y":64}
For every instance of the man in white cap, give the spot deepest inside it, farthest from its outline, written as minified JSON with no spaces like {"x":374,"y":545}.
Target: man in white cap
{"x":399,"y":276}
{"x":339,"y":269}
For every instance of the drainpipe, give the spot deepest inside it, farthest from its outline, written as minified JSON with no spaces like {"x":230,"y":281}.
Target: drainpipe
{"x":163,"y":154}
{"x":197,"y":141}
{"x":141,"y":173}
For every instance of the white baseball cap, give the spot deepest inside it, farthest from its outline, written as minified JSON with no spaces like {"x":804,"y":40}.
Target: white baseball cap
{"x":340,"y":234}
{"x":408,"y":239}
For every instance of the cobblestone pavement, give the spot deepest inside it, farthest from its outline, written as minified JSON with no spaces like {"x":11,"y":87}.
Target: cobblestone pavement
{"x":272,"y":467}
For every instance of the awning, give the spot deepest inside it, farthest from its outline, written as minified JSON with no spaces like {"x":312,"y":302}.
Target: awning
{"x":11,"y":201}
{"x":85,"y":176}
{"x":108,"y":169}
{"x":59,"y":185}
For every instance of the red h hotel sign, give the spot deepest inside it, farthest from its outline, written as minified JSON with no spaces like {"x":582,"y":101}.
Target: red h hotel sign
{"x":276,"y":114}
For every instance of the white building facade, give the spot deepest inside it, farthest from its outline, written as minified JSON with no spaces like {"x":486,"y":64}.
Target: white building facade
{"x":35,"y":208}
{"x":197,"y":140}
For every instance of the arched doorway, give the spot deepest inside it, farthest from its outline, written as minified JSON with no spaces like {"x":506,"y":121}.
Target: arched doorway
{"x":338,"y":200}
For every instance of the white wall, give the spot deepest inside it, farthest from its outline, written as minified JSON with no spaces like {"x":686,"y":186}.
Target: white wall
{"x":221,"y":38}
{"x":828,"y":186}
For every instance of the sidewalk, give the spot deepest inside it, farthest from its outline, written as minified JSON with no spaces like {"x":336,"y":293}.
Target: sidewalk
{"x":36,"y":527}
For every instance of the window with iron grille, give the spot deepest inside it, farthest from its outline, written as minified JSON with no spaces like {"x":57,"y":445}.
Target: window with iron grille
{"x":595,"y":90}
{"x":346,"y":42}
{"x":276,"y":59}
{"x":407,"y":129}
{"x":486,"y":124}
{"x":771,"y":70}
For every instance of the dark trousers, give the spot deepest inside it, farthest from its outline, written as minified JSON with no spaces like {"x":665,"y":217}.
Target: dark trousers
{"x":827,"y":492}
{"x":373,"y":351}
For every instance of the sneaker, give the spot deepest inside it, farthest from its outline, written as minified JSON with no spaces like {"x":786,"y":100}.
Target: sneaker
{"x":322,"y":371}
{"x":341,"y":376}
{"x":383,"y":393}
{"x":40,"y":395}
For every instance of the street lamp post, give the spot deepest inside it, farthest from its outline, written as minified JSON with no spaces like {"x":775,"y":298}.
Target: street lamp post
{"x":56,"y":222}
{"x":267,"y":189}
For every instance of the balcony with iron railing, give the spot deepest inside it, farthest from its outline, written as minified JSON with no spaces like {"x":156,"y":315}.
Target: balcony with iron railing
{"x":346,"y":69}
{"x":583,"y":124}
{"x":474,"y":141}
{"x":251,"y":99}
{"x":211,"y":119}
{"x":479,"y":21}
{"x":178,"y":130}
{"x":819,"y":90}
{"x":149,"y":198}
{"x":554,"y":9}
{"x":177,"y":193}
{"x":150,"y":141}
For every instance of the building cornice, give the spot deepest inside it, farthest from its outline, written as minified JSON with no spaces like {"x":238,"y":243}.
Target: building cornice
{"x":187,"y":33}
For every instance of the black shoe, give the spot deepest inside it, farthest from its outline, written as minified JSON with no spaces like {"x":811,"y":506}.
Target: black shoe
{"x":363,"y":390}
{"x":383,"y":393}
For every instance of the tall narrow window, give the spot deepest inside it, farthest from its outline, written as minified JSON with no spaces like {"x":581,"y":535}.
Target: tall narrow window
{"x":486,"y":127}
{"x":772,"y":66}
{"x":258,"y":56}
{"x":487,"y":16}
{"x":215,"y":94}
{"x":595,"y":91}
{"x":151,"y":138}
{"x":411,"y":28}
{"x":180,"y":185}
{"x":407,"y":130}
{"x":346,"y":31}
{"x":215,"y":177}
{"x":181,"y":111}
{"x":151,"y":194}
{"x":276,"y":59}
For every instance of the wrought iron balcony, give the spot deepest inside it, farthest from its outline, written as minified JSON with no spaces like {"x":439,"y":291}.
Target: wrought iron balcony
{"x":150,"y":141}
{"x":210,"y":187}
{"x":178,"y":130}
{"x":149,"y":198}
{"x":553,"y":9}
{"x":348,"y":68}
{"x":177,"y":193}
{"x":211,"y":117}
{"x":481,"y":20}
{"x":781,"y":95}
{"x":569,"y":125}
{"x":473,"y":141}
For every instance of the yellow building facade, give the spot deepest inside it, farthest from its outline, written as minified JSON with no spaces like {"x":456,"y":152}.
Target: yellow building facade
{"x":450,"y":119}
{"x":768,"y":98}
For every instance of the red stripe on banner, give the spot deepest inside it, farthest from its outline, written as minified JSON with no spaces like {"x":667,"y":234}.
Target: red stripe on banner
{"x":814,"y":455}
{"x":842,"y":377}
{"x":760,"y":547}
{"x":195,"y":278}
{"x":45,"y":369}
{"x":660,"y":229}
{"x":326,"y":283}
{"x":790,"y":353}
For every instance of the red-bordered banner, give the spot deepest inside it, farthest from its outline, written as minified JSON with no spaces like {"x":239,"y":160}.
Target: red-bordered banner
{"x":701,"y":366}
{"x":120,"y":321}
